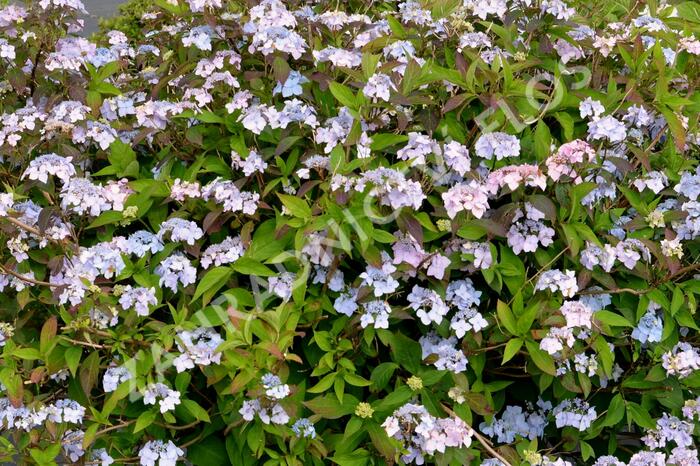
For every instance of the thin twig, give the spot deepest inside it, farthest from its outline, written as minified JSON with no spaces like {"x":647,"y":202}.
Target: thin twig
{"x":84,"y":343}
{"x":118,"y":426}
{"x":26,"y":279}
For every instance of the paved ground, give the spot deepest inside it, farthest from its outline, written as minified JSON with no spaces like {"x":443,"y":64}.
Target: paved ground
{"x":97,"y":9}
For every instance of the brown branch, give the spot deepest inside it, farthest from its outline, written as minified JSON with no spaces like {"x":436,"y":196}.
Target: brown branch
{"x":26,"y":279}
{"x":23,"y":226}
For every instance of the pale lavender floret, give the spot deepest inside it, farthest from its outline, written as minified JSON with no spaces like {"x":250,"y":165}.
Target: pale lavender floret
{"x":114,"y":376}
{"x":428,"y":305}
{"x":575,"y":413}
{"x":72,"y":444}
{"x":292,"y":85}
{"x":176,"y":269}
{"x":471,"y":197}
{"x":379,"y":278}
{"x":593,"y":255}
{"x":142,"y":242}
{"x":608,"y":128}
{"x":462,"y":294}
{"x":82,"y":196}
{"x":556,"y":280}
{"x":608,"y":460}
{"x":281,"y":285}
{"x":179,"y":229}
{"x":138,"y":298}
{"x":198,"y":347}
{"x":422,"y":434}
{"x":456,"y":157}
{"x":591,"y":108}
{"x":159,"y":393}
{"x":99,"y":456}
{"x":648,"y":458}
{"x":418,"y":147}
{"x":499,"y":145}
{"x":375,"y":312}
{"x":516,"y":422}
{"x":528,"y":231}
{"x":689,"y":185}
{"x":449,"y":357}
{"x":274,"y":388}
{"x":161,"y":453}
{"x":304,"y":428}
{"x":669,"y":429}
{"x":336,"y":282}
{"x":226,"y":194}
{"x":346,"y":303}
{"x":682,"y":360}
{"x":577,"y":314}
{"x":467,"y":320}
{"x":650,"y":328}
{"x":252,"y":164}
{"x":225,"y":252}
{"x":50,"y":164}
{"x":379,"y":87}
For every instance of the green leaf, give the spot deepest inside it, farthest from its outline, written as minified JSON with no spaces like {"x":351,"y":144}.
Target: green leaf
{"x":30,"y":354}
{"x":640,"y":416}
{"x":72,"y":357}
{"x":586,"y":451}
{"x":506,"y":317}
{"x":209,"y":451}
{"x":296,"y":206}
{"x":541,"y":359}
{"x":381,"y":375}
{"x":543,"y":140}
{"x":144,"y":420}
{"x":383,"y":140}
{"x":209,"y":117}
{"x":249,"y":266}
{"x":616,"y":411}
{"x":355,"y":380}
{"x":612,"y":319}
{"x":324,"y":384}
{"x":512,"y":348}
{"x":195,"y":410}
{"x":343,"y":94}
{"x":328,"y":406}
{"x":213,"y":280}
{"x":443,"y":8}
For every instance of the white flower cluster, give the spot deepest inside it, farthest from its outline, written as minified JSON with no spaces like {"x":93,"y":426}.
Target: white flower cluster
{"x":515,"y":422}
{"x":176,"y":269}
{"x":556,"y":280}
{"x":267,"y":407}
{"x":138,"y":298}
{"x":28,"y":418}
{"x":114,"y":376}
{"x":422,"y":434}
{"x":159,"y":393}
{"x":528,"y":231}
{"x":682,"y":360}
{"x":575,"y":413}
{"x":198,"y":348}
{"x":159,"y":452}
{"x":449,"y":356}
{"x":50,"y":164}
{"x":226,"y":252}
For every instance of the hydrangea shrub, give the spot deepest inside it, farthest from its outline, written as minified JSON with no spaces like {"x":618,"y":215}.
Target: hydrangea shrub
{"x":356,"y":233}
